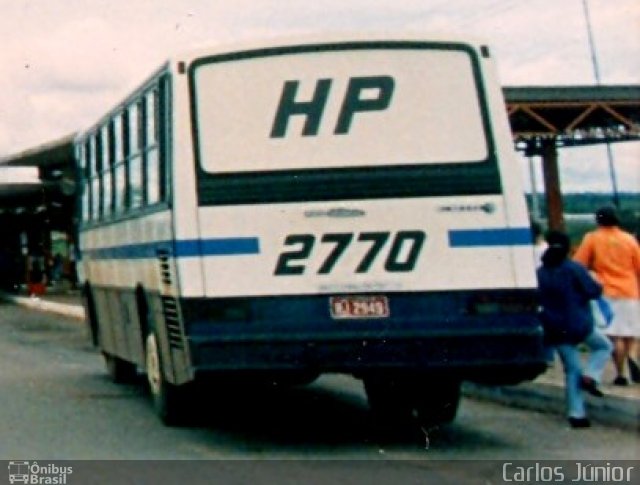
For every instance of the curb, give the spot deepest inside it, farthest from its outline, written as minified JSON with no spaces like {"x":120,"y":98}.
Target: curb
{"x":64,"y":309}
{"x":609,"y":410}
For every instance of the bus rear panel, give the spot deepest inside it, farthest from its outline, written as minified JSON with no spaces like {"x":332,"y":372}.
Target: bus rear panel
{"x":354,"y":215}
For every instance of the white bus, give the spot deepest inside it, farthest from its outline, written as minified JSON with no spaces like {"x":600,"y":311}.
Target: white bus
{"x":317,"y":205}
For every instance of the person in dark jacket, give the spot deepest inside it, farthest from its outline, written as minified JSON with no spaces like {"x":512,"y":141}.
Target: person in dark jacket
{"x":566,"y":289}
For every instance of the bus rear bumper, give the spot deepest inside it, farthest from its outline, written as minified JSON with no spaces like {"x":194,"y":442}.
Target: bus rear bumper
{"x":490,"y":359}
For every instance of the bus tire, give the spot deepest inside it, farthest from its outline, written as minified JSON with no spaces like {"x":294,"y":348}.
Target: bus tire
{"x":91,"y":315}
{"x":294,"y":379}
{"x":388,"y":400}
{"x":436,"y":402}
{"x":120,"y":371}
{"x":401,"y":400}
{"x":168,"y":399}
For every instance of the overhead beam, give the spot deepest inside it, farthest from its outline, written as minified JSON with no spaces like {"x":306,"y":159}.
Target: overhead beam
{"x":574,"y":115}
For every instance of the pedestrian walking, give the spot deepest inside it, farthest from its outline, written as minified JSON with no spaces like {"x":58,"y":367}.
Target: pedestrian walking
{"x":614,"y":256}
{"x":36,"y":285}
{"x":566,"y":289}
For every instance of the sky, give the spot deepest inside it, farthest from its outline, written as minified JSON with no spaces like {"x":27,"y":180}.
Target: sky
{"x":63,"y":63}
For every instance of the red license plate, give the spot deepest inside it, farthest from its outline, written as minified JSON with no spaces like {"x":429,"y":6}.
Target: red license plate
{"x":359,"y":307}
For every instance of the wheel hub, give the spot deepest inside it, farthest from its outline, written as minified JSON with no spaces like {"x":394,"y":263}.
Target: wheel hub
{"x":153,"y":365}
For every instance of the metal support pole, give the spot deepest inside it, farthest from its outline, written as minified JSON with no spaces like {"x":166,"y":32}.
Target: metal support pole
{"x":612,"y":174}
{"x":555,"y":209}
{"x":592,"y":49}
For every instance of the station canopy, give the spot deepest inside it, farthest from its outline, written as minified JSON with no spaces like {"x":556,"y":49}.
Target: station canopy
{"x":573,"y":115}
{"x":52,"y":195}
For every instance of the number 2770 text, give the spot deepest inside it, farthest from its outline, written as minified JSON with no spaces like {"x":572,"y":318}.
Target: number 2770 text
{"x":401,"y":256}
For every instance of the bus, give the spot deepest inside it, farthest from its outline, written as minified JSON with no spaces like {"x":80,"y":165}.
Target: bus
{"x":317,"y":204}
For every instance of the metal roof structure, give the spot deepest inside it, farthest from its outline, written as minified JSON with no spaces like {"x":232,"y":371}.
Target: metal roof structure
{"x":47,"y":204}
{"x":52,"y":153}
{"x":52,"y":159}
{"x":573,"y":115}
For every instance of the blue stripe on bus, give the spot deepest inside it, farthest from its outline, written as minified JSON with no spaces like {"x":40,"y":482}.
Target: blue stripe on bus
{"x":183,"y":248}
{"x":230,"y":246}
{"x":458,"y":238}
{"x":129,"y":251}
{"x":466,"y":238}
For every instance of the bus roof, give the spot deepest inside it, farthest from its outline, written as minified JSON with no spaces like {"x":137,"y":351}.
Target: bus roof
{"x":319,"y":38}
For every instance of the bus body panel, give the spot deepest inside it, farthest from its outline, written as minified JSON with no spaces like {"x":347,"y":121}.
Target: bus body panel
{"x":184,"y":201}
{"x":124,"y":254}
{"x":118,"y":259}
{"x":515,"y":205}
{"x":465,"y":244}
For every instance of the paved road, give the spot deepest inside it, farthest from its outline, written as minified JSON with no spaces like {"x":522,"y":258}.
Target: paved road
{"x":56,"y":403}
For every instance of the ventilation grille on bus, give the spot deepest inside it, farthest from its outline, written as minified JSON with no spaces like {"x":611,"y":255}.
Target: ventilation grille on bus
{"x":165,"y":266}
{"x":170,"y":306}
{"x":172,"y":321}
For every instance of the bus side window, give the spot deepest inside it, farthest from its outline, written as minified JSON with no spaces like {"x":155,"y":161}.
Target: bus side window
{"x":107,"y":172}
{"x":134,"y":155}
{"x":163,"y":120}
{"x":94,"y":168}
{"x":152,"y":147}
{"x":83,"y":169}
{"x":119,"y":169}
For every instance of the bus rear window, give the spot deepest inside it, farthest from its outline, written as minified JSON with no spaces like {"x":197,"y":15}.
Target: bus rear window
{"x":338,"y":108}
{"x":341,"y":121}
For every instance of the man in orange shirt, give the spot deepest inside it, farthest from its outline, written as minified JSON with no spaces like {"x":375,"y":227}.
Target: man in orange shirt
{"x":614,"y":256}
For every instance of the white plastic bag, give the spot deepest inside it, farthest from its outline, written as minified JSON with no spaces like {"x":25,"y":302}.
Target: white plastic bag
{"x":602,"y":312}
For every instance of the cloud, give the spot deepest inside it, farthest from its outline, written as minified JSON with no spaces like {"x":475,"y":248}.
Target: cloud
{"x":56,"y":87}
{"x":68,"y":61}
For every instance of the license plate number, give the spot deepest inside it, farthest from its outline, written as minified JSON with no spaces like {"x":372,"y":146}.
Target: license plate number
{"x":343,"y":307}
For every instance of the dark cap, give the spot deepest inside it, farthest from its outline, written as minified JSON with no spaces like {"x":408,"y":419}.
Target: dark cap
{"x":606,"y":216}
{"x":558,"y":249}
{"x":558,"y":240}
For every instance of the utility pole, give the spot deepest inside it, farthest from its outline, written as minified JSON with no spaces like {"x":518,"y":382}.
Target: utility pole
{"x":596,"y":73}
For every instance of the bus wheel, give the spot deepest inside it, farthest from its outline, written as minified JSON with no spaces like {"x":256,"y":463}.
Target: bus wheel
{"x":167,"y":398}
{"x":295,"y":379}
{"x":121,"y":371}
{"x":388,"y":400}
{"x":437,"y":402}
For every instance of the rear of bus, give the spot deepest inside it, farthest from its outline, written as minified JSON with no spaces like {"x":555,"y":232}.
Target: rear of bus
{"x":358,"y":211}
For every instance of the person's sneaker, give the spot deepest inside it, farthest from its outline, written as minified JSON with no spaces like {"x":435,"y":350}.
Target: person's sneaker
{"x":579,"y":422}
{"x":634,"y":370}
{"x":620,"y":381}
{"x":590,"y":385}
